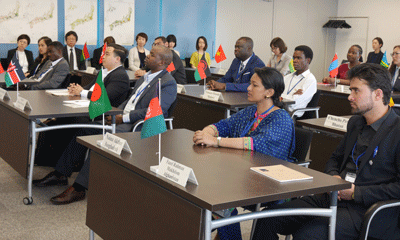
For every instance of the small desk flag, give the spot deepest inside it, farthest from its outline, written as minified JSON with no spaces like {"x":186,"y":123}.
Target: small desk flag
{"x":384,"y":61}
{"x":1,"y":69}
{"x":220,"y":55}
{"x":85,"y":53}
{"x":14,"y":72}
{"x":334,"y":67}
{"x":103,"y":52}
{"x":154,"y":121}
{"x":202,"y":70}
{"x":391,"y":103}
{"x":171,"y":67}
{"x":291,"y":67}
{"x":99,"y":102}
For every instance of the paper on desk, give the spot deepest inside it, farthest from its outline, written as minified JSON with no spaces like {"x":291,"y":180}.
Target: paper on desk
{"x":58,"y":92}
{"x":77,"y":103}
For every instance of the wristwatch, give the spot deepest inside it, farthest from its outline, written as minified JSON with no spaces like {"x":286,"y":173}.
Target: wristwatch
{"x":218,"y":141}
{"x":338,"y":81}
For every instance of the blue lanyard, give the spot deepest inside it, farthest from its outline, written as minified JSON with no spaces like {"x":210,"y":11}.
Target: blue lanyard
{"x":356,"y":161}
{"x":138,"y":94}
{"x":247,"y":128}
{"x":290,"y":90}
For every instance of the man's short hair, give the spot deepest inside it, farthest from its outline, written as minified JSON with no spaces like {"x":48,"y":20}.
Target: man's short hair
{"x":57,"y":45}
{"x":24,"y":36}
{"x":165,"y":54}
{"x":71,"y":33}
{"x":248,"y":42}
{"x":163,"y":39}
{"x":119,"y":51}
{"x":308,"y":53}
{"x":376,"y":76}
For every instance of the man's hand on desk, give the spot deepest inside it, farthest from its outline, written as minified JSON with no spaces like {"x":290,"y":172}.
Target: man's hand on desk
{"x":140,"y":73}
{"x":118,"y":119}
{"x":75,"y":89}
{"x":214,"y":85}
{"x":346,"y":194}
{"x":298,"y":92}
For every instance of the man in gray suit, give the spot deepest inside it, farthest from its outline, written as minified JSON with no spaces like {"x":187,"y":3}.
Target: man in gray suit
{"x":56,"y":72}
{"x":135,"y":108}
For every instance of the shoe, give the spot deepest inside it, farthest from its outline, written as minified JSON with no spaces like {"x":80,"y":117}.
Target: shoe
{"x":68,"y":196}
{"x":50,"y":180}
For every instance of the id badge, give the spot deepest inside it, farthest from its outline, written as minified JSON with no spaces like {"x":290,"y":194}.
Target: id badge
{"x":350,"y":177}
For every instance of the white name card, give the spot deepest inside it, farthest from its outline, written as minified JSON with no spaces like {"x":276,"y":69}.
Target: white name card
{"x":115,"y":144}
{"x":213,"y":95}
{"x":22,"y":103}
{"x":4,"y":94}
{"x":336,"y":122}
{"x":176,"y":172}
{"x":181,"y":88}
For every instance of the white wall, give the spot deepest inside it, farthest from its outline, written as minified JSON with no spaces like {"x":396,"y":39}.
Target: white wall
{"x":296,"y":22}
{"x":384,"y":20}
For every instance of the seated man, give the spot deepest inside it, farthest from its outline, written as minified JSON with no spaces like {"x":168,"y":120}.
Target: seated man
{"x":135,"y":108}
{"x":368,"y":156}
{"x":237,"y":78}
{"x":53,"y":76}
{"x":72,"y":53}
{"x":300,"y":85}
{"x":179,"y":73}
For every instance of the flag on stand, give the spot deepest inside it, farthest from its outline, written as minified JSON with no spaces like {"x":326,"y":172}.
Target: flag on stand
{"x":202,"y":70}
{"x":171,"y":67}
{"x":154,"y":121}
{"x":334,"y":67}
{"x":384,"y":61}
{"x":291,"y":66}
{"x":85,"y":53}
{"x":1,"y":69}
{"x":220,"y":55}
{"x":391,"y":103}
{"x":99,"y":102}
{"x":103,"y":52}
{"x":14,"y":72}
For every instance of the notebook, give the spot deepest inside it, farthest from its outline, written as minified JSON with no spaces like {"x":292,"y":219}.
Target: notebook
{"x":281,"y":173}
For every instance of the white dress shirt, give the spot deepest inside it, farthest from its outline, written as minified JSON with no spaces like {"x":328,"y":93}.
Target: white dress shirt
{"x":23,"y":61}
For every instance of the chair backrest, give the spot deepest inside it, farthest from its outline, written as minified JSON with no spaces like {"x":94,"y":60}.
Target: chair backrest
{"x":303,"y":140}
{"x":172,"y":107}
{"x":187,"y":63}
{"x":66,"y":82}
{"x":313,"y":103}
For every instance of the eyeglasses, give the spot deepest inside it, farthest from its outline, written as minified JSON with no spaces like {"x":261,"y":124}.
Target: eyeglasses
{"x":395,"y":54}
{"x":274,"y":48}
{"x":157,"y":44}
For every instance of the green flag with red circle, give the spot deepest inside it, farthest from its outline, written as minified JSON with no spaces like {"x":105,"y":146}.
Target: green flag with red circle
{"x":99,"y":102}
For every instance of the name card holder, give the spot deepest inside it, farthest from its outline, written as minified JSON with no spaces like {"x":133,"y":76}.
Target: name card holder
{"x":114,"y":144}
{"x":213,"y":95}
{"x":22,"y":103}
{"x":4,"y":94}
{"x":175,"y":172}
{"x":181,"y":88}
{"x":336,"y":122}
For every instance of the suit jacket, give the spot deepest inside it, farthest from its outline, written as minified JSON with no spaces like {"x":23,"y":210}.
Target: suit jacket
{"x":377,"y":181}
{"x":239,"y":83}
{"x":116,"y":84}
{"x":396,"y":86}
{"x":29,"y":57}
{"x":78,"y":52}
{"x":179,"y":73}
{"x":134,"y":61}
{"x":54,"y":77}
{"x":45,"y":66}
{"x":168,"y":96}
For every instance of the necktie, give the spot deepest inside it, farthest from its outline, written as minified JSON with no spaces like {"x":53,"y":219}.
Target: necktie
{"x":71,"y":61}
{"x":241,"y":67}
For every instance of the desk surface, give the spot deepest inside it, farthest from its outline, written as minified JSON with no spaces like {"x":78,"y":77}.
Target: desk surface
{"x":25,"y":81}
{"x":224,"y":175}
{"x":318,"y":124}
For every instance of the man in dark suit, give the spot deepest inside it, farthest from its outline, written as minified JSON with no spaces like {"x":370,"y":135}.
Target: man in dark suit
{"x":73,"y":54}
{"x":237,"y":78}
{"x":95,"y":62}
{"x":179,"y":73}
{"x":135,"y":108}
{"x":368,"y":156}
{"x":55,"y":74}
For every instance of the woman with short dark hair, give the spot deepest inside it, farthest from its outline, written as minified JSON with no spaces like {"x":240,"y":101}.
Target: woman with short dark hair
{"x":25,"y":57}
{"x":138,"y":54}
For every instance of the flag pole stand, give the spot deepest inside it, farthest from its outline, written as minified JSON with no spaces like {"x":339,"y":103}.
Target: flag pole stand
{"x":103,"y":128}
{"x":17,"y":89}
{"x":204,"y":86}
{"x":155,"y":168}
{"x":335,"y":82}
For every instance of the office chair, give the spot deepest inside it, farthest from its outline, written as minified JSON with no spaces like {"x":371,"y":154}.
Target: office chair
{"x":312,"y":109}
{"x":66,"y":81}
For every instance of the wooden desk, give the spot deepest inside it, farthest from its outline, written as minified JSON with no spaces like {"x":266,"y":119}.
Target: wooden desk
{"x":324,"y":142}
{"x":89,"y":77}
{"x":128,"y":201}
{"x":25,"y":81}
{"x":19,"y":127}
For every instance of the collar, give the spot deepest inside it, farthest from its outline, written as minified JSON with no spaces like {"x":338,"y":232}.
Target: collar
{"x":149,"y":76}
{"x":376,"y":125}
{"x":105,"y":73}
{"x":247,"y":60}
{"x":304,"y":74}
{"x":55,"y":62}
{"x":69,"y":48}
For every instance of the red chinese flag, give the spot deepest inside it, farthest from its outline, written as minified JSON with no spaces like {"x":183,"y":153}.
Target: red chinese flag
{"x":103,"y":53}
{"x":220,"y":55}
{"x":171,"y":67}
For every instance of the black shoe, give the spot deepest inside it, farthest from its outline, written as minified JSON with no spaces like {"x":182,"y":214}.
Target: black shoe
{"x":50,"y":180}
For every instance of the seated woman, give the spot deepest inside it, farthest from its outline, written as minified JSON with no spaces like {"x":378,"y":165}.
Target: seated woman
{"x":25,"y":57}
{"x":354,"y":58}
{"x":376,"y":55}
{"x":42,"y":60}
{"x":138,"y":54}
{"x":201,"y":46}
{"x":171,"y":39}
{"x":280,"y":60}
{"x":264,"y":127}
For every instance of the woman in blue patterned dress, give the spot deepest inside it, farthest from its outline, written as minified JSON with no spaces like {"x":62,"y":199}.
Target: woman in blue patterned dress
{"x":264,"y":127}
